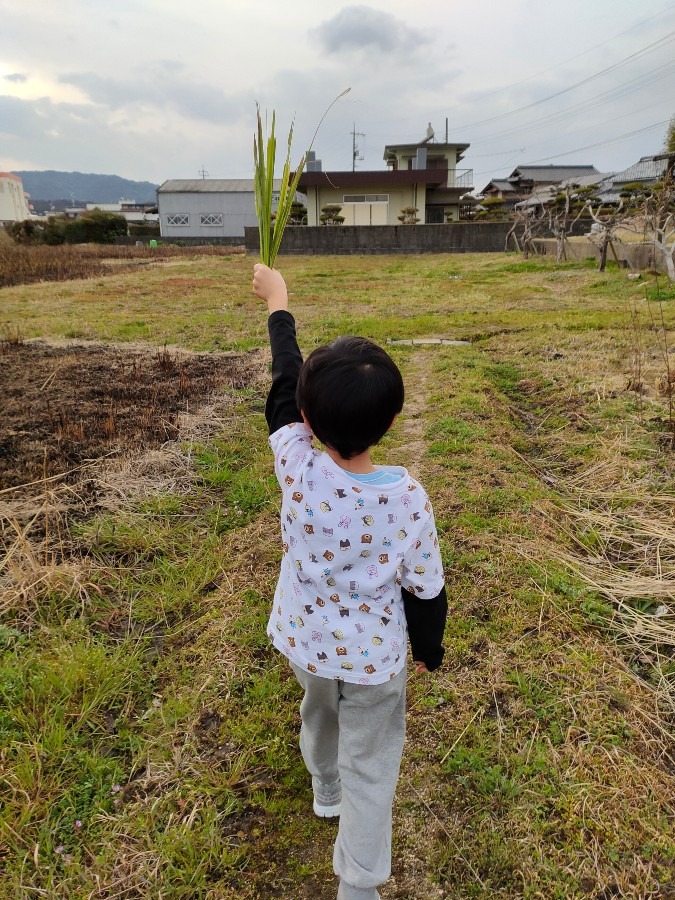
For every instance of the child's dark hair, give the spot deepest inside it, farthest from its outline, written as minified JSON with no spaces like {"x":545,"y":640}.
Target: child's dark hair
{"x":350,"y":391}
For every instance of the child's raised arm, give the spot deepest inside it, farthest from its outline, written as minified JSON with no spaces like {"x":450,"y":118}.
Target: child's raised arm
{"x":281,"y":408}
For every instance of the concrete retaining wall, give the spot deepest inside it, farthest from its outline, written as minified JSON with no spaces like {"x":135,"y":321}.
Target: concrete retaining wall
{"x":323,"y":240}
{"x":638,"y":257}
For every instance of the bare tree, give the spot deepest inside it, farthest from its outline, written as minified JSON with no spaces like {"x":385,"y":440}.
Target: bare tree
{"x":659,"y":216}
{"x":607,"y":219}
{"x":525,"y":224}
{"x":569,"y":201}
{"x":650,"y":211}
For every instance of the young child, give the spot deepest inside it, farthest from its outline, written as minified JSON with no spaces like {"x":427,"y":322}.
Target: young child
{"x":361,"y":570}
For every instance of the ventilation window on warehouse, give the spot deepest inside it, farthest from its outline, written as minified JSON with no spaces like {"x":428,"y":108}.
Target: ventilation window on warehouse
{"x":211,"y":219}
{"x":178,"y":219}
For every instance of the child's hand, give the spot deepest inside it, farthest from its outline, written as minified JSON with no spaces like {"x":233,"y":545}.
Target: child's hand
{"x":269,"y":285}
{"x":420,"y":667}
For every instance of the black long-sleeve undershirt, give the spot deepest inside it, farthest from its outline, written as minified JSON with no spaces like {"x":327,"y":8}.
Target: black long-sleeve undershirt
{"x":281,"y":408}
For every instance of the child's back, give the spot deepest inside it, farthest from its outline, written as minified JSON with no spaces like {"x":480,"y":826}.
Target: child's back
{"x":349,"y":546}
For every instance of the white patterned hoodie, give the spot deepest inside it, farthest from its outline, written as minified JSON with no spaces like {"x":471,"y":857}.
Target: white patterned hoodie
{"x":348,"y":548}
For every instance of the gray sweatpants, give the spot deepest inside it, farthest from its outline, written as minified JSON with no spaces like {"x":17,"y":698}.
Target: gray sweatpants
{"x":355,"y":732}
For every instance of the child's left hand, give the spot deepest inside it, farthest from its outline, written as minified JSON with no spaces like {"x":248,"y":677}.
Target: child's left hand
{"x":269,"y":285}
{"x":420,"y":667}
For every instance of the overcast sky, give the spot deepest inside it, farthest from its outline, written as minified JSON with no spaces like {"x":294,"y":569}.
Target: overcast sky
{"x":157,"y":89}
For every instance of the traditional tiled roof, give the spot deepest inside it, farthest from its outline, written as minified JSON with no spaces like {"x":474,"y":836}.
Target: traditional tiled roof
{"x":550,"y":174}
{"x":647,"y":168}
{"x":500,"y":185}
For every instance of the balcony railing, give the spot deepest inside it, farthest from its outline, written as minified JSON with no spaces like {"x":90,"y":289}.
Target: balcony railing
{"x":460,"y":178}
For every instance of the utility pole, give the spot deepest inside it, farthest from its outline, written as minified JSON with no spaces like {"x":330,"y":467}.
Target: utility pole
{"x":356,"y":153}
{"x":203,"y":172}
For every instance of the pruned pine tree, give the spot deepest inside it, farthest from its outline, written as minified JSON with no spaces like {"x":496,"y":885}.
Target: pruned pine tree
{"x":298,"y":214}
{"x":408,"y":215}
{"x":330,"y":215}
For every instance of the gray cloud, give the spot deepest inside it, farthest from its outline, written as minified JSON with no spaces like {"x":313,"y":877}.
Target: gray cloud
{"x":163,"y":86}
{"x":365,"y":28}
{"x":16,"y":77}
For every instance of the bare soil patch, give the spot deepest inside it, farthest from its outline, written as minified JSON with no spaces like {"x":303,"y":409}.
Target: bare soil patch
{"x":65,"y":405}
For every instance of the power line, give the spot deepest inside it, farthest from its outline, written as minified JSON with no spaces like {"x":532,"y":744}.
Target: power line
{"x":591,"y":103}
{"x":649,"y":48}
{"x":613,"y":140}
{"x":579,"y":55}
{"x":505,"y":88}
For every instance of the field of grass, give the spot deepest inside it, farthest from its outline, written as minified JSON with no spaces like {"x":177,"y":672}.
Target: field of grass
{"x":148,"y":733}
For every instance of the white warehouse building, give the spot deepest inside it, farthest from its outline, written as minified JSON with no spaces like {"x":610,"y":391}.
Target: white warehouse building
{"x":207,"y":207}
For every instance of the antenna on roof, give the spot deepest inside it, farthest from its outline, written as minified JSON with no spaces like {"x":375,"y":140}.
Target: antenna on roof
{"x":357,"y":152}
{"x":203,"y":172}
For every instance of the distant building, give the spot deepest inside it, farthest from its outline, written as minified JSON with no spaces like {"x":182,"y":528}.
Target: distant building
{"x":422,"y":175}
{"x":524,"y":180}
{"x":14,"y":202}
{"x":207,"y":207}
{"x":647,"y":170}
{"x":136,"y":213}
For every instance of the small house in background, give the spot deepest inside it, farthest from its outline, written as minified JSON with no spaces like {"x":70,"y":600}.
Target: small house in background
{"x":647,"y":170}
{"x":207,"y":207}
{"x":134,"y":213}
{"x":524,"y":180}
{"x":14,"y":201}
{"x":423,"y":176}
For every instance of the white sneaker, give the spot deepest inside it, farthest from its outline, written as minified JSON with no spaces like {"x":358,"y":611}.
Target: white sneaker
{"x":327,"y":799}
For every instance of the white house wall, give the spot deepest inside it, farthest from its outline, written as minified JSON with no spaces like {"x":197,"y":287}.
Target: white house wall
{"x":365,"y":213}
{"x":13,"y":204}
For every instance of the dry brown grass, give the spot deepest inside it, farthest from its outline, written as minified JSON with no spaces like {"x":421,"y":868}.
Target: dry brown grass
{"x":24,"y":264}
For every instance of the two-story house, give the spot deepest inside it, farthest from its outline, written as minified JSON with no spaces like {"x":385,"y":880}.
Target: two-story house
{"x":423,"y":175}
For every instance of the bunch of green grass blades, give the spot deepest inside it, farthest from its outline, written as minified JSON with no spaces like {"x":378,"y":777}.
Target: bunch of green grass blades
{"x":271,"y":227}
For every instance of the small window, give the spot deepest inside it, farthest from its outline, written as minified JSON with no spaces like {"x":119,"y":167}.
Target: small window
{"x":178,"y":219}
{"x":211,"y":219}
{"x":365,"y":198}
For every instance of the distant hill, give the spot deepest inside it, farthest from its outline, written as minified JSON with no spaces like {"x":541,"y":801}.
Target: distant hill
{"x":83,"y":188}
